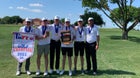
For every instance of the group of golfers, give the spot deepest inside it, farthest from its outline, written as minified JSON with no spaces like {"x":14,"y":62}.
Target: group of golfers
{"x":52,"y":41}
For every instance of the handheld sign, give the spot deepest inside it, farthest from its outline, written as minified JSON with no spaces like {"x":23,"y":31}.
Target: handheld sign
{"x":22,"y":46}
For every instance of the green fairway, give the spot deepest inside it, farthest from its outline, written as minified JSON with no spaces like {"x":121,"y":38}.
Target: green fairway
{"x":116,"y":58}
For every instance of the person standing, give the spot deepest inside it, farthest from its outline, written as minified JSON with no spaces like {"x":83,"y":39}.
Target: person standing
{"x":79,"y":44}
{"x":26,"y":29}
{"x":43,"y":45}
{"x":67,"y":48}
{"x":92,"y":44}
{"x":55,"y":45}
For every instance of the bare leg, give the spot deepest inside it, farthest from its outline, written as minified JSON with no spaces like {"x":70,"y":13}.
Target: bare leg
{"x":63,"y":61}
{"x":38,"y":61}
{"x":70,"y":63}
{"x":46,"y":62}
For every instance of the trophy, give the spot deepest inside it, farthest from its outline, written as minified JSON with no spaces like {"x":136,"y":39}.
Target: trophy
{"x":66,"y":37}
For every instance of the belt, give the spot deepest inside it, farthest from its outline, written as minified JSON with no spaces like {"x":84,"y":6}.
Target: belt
{"x":91,"y":43}
{"x":80,"y":41}
{"x":55,"y":40}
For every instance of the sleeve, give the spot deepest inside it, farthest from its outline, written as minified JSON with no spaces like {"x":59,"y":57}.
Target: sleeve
{"x":37,"y":32}
{"x":97,"y":29}
{"x":20,"y":29}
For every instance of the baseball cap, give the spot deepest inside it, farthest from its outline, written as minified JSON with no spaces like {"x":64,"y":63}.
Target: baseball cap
{"x":67,"y":20}
{"x":44,"y":19}
{"x":80,"y":19}
{"x":56,"y":17}
{"x":28,"y":19}
{"x":90,"y":18}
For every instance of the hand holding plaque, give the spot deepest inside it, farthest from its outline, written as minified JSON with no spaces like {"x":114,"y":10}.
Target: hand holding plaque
{"x":66,"y":37}
{"x":46,"y":34}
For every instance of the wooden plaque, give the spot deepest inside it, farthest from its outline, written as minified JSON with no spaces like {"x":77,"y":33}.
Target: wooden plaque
{"x":66,"y":37}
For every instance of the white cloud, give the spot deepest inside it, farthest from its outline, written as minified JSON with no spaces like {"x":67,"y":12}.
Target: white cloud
{"x":36,"y":5}
{"x":10,"y":7}
{"x":30,"y":10}
{"x":22,"y":8}
{"x":36,"y":10}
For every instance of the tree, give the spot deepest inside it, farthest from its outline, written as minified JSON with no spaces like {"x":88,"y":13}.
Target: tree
{"x":11,"y":20}
{"x":6,"y":20}
{"x":16,"y":19}
{"x":121,"y":16}
{"x":97,"y":18}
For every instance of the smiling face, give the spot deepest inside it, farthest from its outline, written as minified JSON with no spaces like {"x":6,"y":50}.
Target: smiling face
{"x":28,"y":23}
{"x":44,"y":23}
{"x":56,"y":21}
{"x":90,"y":22}
{"x":80,"y":23}
{"x":67,"y":23}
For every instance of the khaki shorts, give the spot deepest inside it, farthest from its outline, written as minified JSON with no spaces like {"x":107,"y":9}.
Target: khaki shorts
{"x":43,"y":49}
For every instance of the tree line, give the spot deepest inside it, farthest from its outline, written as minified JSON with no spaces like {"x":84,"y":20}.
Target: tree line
{"x":11,"y":20}
{"x":17,"y":19}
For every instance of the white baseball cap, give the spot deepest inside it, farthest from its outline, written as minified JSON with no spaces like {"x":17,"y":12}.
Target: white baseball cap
{"x":80,"y":19}
{"x":44,"y":19}
{"x":28,"y":20}
{"x":90,"y":18}
{"x":67,"y":20}
{"x":56,"y":17}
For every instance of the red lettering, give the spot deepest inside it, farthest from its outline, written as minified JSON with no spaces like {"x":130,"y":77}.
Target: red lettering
{"x":23,"y":49}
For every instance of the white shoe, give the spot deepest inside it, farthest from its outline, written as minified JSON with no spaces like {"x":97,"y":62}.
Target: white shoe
{"x":94,"y":73}
{"x":18,"y":73}
{"x":28,"y":72}
{"x":70,"y":73}
{"x":62,"y":72}
{"x":51,"y":71}
{"x":38,"y":73}
{"x":45,"y":73}
{"x":57,"y":71}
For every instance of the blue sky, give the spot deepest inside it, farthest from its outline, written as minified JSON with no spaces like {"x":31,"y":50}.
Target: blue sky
{"x":47,"y":8}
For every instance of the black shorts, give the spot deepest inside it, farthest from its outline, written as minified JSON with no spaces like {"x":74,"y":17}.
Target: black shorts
{"x":79,"y":47}
{"x":67,"y":50}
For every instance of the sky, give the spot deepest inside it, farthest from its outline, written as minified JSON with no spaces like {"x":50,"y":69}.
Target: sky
{"x":48,"y":8}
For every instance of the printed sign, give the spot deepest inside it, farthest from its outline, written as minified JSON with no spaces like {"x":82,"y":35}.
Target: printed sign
{"x":22,"y":46}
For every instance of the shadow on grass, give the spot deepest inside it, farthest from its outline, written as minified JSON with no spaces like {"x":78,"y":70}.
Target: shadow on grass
{"x":130,"y":38}
{"x":113,"y":72}
{"x":78,"y":73}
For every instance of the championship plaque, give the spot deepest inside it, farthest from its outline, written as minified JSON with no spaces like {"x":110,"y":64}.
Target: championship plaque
{"x":66,"y":37}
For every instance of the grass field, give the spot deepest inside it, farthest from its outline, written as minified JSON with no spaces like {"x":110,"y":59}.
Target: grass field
{"x":116,"y":58}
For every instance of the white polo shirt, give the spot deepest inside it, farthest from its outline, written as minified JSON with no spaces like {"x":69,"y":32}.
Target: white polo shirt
{"x":80,"y":33}
{"x":92,"y":33}
{"x":72,"y":30}
{"x":40,"y":33}
{"x":27,"y":29}
{"x":55,"y":31}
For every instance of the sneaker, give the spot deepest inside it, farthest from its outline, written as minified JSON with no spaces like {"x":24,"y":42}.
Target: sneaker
{"x":94,"y":73}
{"x":62,"y":72}
{"x":70,"y":73}
{"x":57,"y":71}
{"x":38,"y":73}
{"x":18,"y":73}
{"x":75,"y":70}
{"x":87,"y":71}
{"x":45,"y":73}
{"x":82,"y":71}
{"x":51,"y":71}
{"x":28,"y":72}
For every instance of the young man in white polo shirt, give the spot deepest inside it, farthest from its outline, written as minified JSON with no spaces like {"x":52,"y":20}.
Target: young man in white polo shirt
{"x":55,"y":45}
{"x":67,"y":48}
{"x":79,"y":44}
{"x":43,"y":45}
{"x":92,"y":43}
{"x":26,"y":29}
